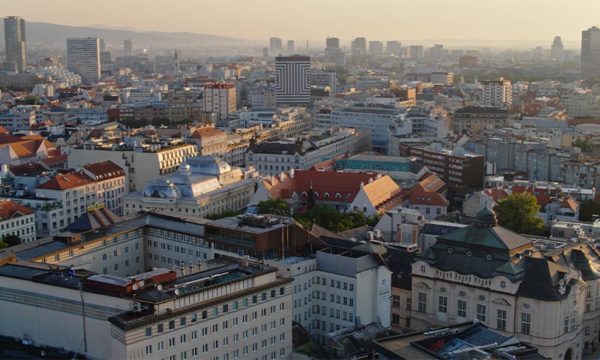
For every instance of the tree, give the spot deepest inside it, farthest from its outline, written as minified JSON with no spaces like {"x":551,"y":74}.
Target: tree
{"x":273,"y":206}
{"x":587,"y":209}
{"x":518,"y":212}
{"x":584,"y":145}
{"x":9,"y":240}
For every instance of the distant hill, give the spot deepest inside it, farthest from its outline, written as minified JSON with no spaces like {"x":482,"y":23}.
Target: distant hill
{"x":39,"y":33}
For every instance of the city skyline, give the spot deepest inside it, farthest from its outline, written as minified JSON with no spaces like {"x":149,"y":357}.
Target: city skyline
{"x":469,"y":19}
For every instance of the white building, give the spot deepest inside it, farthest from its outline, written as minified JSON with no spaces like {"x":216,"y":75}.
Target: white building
{"x":497,"y":93}
{"x":19,"y":118}
{"x":203,"y":186}
{"x":220,"y":99}
{"x":83,"y":56}
{"x":16,"y":220}
{"x":339,"y":290}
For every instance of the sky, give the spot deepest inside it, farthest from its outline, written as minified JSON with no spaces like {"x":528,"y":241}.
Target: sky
{"x":493,"y":20}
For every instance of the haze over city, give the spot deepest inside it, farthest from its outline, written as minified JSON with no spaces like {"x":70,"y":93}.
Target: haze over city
{"x":507,"y":22}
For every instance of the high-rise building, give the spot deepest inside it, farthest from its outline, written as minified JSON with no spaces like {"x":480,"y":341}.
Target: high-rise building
{"x":275,"y":45}
{"x":415,"y":52}
{"x":497,"y":93}
{"x":265,"y":52}
{"x":127,"y":47}
{"x":14,"y":40}
{"x":590,"y":52}
{"x":375,"y":48}
{"x":83,"y":57}
{"x":220,"y":99}
{"x":291,"y":46}
{"x":358,"y":47}
{"x":102,"y":45}
{"x":332,"y":43}
{"x":293,"y":80}
{"x":393,"y":47}
{"x":557,"y":49}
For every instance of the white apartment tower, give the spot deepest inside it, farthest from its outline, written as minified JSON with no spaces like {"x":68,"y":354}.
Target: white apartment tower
{"x":14,"y":40}
{"x":84,"y":58}
{"x":220,"y":98}
{"x":127,"y":47}
{"x":497,"y":93}
{"x":293,"y":80}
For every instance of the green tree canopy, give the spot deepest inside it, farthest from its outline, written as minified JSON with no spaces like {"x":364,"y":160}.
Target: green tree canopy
{"x":518,"y":212}
{"x":9,"y":240}
{"x":587,"y":210}
{"x":273,"y":206}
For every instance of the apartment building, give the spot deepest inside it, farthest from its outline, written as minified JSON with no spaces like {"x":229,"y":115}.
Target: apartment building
{"x":497,"y":93}
{"x":19,"y":118}
{"x":210,"y":141}
{"x":476,"y":118}
{"x":16,"y":220}
{"x":141,"y":163}
{"x":220,"y":99}
{"x":322,"y":144}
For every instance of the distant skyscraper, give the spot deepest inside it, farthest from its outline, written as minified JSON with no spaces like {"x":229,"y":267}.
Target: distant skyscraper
{"x":102,"y":45}
{"x":393,"y":47}
{"x":293,"y":80}
{"x":291,"y":47}
{"x":333,"y":53}
{"x":375,"y":48}
{"x":415,"y":52}
{"x":590,"y":52}
{"x":557,"y":49}
{"x":358,"y":47}
{"x":265,"y":52}
{"x":127,"y":47}
{"x":83,"y":58}
{"x":275,"y":45}
{"x":497,"y":93}
{"x":14,"y":40}
{"x":332,"y":43}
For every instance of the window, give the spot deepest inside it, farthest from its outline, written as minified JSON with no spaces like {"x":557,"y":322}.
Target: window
{"x":395,"y":301}
{"x":525,"y":323}
{"x":172,"y":324}
{"x":501,"y":320}
{"x":481,"y":311}
{"x":182,"y":321}
{"x":443,"y":304}
{"x":461,"y":309}
{"x":148,"y":331}
{"x":159,"y":328}
{"x":422,"y":304}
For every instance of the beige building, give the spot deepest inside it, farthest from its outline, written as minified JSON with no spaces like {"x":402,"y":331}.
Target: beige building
{"x":16,"y":220}
{"x":142,"y":163}
{"x":220,"y":99}
{"x":210,"y":141}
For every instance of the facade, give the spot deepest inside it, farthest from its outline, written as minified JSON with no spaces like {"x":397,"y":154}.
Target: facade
{"x":557,"y":50}
{"x":293,"y":80}
{"x":15,"y":43}
{"x":497,"y":93}
{"x":338,"y":290}
{"x":358,"y":47}
{"x":462,"y":171}
{"x":375,"y":48}
{"x":210,"y":141}
{"x":271,"y":158}
{"x":19,"y":118}
{"x":203,"y":186}
{"x":110,"y":182}
{"x":83,"y":56}
{"x":127,"y":47}
{"x":220,"y":99}
{"x":275,"y":46}
{"x":16,"y":220}
{"x":476,"y":118}
{"x":590,"y":52}
{"x":324,"y":79}
{"x":487,"y":273}
{"x":393,"y":48}
{"x":415,"y":52}
{"x":141,"y":165}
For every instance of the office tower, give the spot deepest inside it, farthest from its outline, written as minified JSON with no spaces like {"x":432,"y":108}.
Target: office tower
{"x":415,"y":52}
{"x":375,"y":48}
{"x":14,"y":40}
{"x":393,"y":47}
{"x":332,"y":43}
{"x":497,"y":93}
{"x":358,"y":47}
{"x":557,"y":49}
{"x":102,"y":45}
{"x":83,"y":58}
{"x":127,"y":47}
{"x":590,"y":52}
{"x":265,"y":52}
{"x":437,"y":52}
{"x":275,"y":45}
{"x":291,"y":47}
{"x":220,"y":99}
{"x":293,"y":80}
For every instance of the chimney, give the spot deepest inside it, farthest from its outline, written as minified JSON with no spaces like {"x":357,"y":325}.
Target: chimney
{"x":292,"y":170}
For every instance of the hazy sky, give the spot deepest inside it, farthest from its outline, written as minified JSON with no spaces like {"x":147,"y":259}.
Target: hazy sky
{"x":315,"y":19}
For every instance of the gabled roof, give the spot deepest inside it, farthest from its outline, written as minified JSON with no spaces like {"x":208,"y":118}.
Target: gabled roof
{"x":569,"y":203}
{"x":382,"y":190}
{"x":29,"y":169}
{"x":66,"y":181}
{"x":542,"y":280}
{"x":497,"y":237}
{"x":94,"y":220}
{"x":431,"y":182}
{"x":207,"y":132}
{"x":419,"y":196}
{"x":10,"y":209}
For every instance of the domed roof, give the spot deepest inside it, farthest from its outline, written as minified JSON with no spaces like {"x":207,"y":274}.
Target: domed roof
{"x":207,"y":165}
{"x":486,"y":218}
{"x":161,"y":188}
{"x":372,"y":248}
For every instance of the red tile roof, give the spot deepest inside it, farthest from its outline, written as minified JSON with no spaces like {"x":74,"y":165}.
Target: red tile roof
{"x":207,"y":132}
{"x":420,"y":196}
{"x":431,"y":182}
{"x":10,"y":209}
{"x":570,"y":203}
{"x":4,"y":130}
{"x":66,"y":181}
{"x":104,"y":170}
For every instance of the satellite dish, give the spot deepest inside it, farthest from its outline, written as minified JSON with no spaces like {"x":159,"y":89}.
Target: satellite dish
{"x":159,"y":287}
